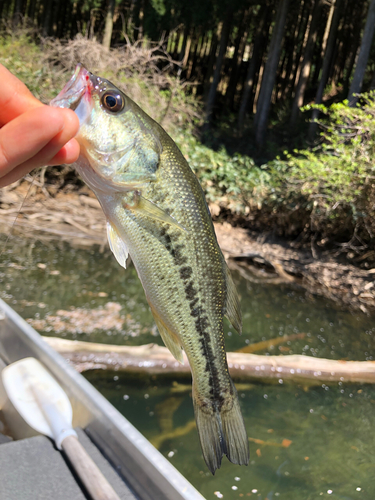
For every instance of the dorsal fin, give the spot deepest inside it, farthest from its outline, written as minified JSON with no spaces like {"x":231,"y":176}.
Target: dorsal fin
{"x":169,"y":338}
{"x":232,"y":306}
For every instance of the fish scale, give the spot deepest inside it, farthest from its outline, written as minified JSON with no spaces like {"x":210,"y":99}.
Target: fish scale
{"x":156,"y":211}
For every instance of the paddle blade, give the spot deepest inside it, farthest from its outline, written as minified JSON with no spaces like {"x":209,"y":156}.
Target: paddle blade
{"x":28,"y":384}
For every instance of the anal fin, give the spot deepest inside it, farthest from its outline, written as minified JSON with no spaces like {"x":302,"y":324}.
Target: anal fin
{"x":117,"y":245}
{"x":170,"y":339}
{"x":232,"y":306}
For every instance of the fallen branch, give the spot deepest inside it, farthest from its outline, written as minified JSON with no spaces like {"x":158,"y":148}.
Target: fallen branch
{"x":152,"y":359}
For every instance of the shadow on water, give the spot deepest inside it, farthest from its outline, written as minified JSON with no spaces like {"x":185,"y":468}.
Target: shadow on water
{"x":305,"y":444}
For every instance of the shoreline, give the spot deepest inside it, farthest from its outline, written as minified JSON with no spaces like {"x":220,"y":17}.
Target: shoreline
{"x":76,"y":217}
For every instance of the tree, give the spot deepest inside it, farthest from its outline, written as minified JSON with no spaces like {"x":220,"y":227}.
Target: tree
{"x":109,"y":24}
{"x":254,"y":63}
{"x":269,"y":76}
{"x":359,"y":73}
{"x":306,"y":63}
{"x":243,"y":26}
{"x":326,"y":65}
{"x":224,"y":36}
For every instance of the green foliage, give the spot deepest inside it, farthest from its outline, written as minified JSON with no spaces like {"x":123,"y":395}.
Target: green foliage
{"x":233,"y":182}
{"x":326,"y":192}
{"x":334,"y":182}
{"x":22,"y":57}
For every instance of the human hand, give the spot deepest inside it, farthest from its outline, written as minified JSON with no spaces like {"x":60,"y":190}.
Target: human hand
{"x":31,"y":133}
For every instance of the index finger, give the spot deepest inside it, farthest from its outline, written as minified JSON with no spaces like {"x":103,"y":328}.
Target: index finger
{"x":15,"y":97}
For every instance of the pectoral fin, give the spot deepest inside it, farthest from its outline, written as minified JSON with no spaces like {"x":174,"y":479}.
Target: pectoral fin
{"x":232,"y":307}
{"x":170,"y":339}
{"x":117,"y":245}
{"x":133,"y":180}
{"x":149,"y":209}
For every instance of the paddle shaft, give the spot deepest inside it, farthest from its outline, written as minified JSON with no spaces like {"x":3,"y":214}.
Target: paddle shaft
{"x":92,"y":478}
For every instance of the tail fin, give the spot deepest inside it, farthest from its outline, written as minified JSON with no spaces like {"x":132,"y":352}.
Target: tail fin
{"x":221,"y":433}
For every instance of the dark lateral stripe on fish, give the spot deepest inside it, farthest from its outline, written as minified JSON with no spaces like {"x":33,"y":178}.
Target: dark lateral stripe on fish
{"x":198,"y":312}
{"x":185,"y":273}
{"x":213,"y":380}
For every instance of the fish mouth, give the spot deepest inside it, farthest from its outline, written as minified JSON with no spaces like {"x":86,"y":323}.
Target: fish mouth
{"x":72,"y":92}
{"x":76,"y":94}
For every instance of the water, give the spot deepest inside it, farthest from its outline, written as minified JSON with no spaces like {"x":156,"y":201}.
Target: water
{"x":305,"y":444}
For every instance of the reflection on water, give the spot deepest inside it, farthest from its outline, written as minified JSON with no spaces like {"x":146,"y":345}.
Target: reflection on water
{"x":304,"y":444}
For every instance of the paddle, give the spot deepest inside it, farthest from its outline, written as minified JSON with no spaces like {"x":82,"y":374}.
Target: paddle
{"x":43,"y":404}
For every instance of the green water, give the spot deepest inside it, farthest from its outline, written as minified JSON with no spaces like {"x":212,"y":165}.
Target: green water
{"x":305,"y":444}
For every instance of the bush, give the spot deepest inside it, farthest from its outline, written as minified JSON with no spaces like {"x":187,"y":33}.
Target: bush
{"x":333,"y":184}
{"x":234,"y":183}
{"x":142,"y":70}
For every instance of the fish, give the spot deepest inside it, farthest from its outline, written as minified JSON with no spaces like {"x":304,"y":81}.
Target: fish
{"x":156,"y":212}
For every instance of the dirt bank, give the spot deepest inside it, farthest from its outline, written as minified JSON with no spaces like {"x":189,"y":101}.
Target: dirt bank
{"x":75,"y":216}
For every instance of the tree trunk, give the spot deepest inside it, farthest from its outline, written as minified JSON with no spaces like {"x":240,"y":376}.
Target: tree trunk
{"x":3,"y":10}
{"x":17,"y":15}
{"x":264,"y":101}
{"x":56,"y":16}
{"x":181,"y":55}
{"x":319,"y":60}
{"x":73,"y":21}
{"x":254,"y":64}
{"x":175,"y":44}
{"x":359,"y":73}
{"x":293,"y":66}
{"x":236,"y":61}
{"x":225,"y":32}
{"x":194,"y":60}
{"x":210,"y":63}
{"x":46,"y":31}
{"x":109,"y":24}
{"x":185,"y":51}
{"x":336,"y":51}
{"x":331,"y":42}
{"x":306,"y":63}
{"x":136,"y":19}
{"x":347,"y":37}
{"x":63,"y":21}
{"x":280,"y":82}
{"x":352,"y":45}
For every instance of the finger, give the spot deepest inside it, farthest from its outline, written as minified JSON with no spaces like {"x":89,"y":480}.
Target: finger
{"x":53,"y":153}
{"x":62,"y":157}
{"x":15,"y":97}
{"x":35,"y":137}
{"x":68,"y":154}
{"x":62,"y":148}
{"x":14,"y":175}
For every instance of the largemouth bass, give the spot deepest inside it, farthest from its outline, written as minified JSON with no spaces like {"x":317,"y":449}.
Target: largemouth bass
{"x":157,"y":213}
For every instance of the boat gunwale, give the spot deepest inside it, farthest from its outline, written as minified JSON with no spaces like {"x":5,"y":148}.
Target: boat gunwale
{"x":142,"y":466}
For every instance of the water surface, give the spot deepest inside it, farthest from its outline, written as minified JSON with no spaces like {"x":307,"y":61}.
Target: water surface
{"x":305,"y":444}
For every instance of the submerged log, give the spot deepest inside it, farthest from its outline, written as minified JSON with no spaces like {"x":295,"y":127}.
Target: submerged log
{"x":152,"y":359}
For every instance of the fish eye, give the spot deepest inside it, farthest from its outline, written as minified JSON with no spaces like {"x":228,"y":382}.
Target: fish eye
{"x":112,"y":101}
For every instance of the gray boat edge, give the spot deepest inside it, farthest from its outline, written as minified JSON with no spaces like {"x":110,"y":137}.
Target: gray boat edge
{"x":142,"y":466}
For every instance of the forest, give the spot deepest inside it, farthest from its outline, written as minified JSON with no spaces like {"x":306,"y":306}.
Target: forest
{"x":277,"y":96}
